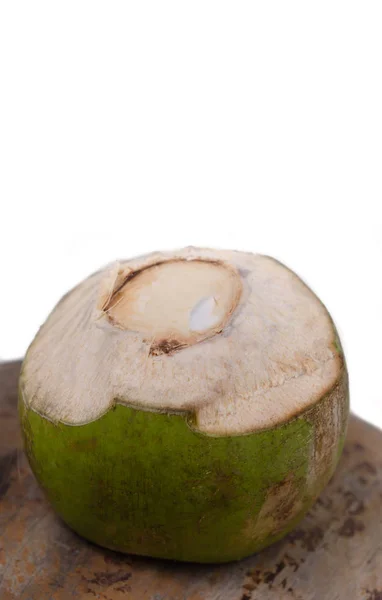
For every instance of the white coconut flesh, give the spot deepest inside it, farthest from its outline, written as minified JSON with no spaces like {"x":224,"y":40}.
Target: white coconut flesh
{"x":235,"y":339}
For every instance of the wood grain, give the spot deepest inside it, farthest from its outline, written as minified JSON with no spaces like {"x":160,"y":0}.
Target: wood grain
{"x":334,"y":554}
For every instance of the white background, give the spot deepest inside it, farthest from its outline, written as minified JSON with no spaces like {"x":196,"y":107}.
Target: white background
{"x":127,"y":127}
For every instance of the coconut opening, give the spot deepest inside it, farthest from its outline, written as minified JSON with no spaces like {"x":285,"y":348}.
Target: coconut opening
{"x":176,"y":303}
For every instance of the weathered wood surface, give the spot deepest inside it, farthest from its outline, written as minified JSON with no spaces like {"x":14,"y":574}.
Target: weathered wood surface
{"x":335,"y":553}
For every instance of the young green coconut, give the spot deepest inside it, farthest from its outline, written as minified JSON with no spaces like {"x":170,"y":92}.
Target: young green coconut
{"x":188,"y":405}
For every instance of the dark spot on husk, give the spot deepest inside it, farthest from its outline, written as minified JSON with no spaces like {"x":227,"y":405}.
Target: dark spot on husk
{"x":165,"y":347}
{"x":84,"y":445}
{"x":286,"y":492}
{"x":350,"y":527}
{"x":245,"y":597}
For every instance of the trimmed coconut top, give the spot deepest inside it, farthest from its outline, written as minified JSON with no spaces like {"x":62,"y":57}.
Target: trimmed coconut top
{"x":175,"y":303}
{"x":236,"y":339}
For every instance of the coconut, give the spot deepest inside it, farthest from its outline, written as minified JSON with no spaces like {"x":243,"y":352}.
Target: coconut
{"x":188,"y":405}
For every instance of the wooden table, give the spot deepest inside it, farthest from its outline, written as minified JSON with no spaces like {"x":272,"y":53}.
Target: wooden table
{"x":334,"y":554}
